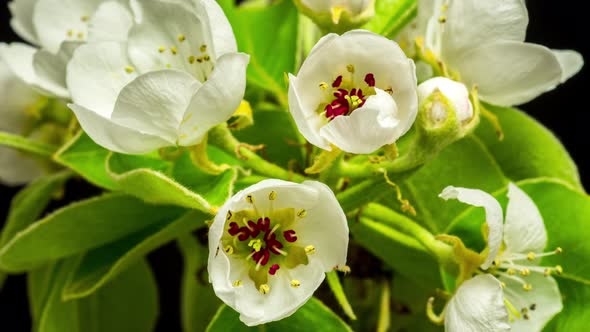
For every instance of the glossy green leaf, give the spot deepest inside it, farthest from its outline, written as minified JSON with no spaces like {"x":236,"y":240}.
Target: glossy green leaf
{"x":128,"y":303}
{"x":268,"y":35}
{"x":81,"y":226}
{"x":564,"y":210}
{"x":86,"y":158}
{"x":198,"y":301}
{"x":312,"y":316}
{"x":529,"y":150}
{"x":391,"y":16}
{"x":102,"y":264}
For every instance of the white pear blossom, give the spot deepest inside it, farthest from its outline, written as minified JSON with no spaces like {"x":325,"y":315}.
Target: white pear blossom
{"x":483,"y":41}
{"x":271,"y":244}
{"x":55,"y":28}
{"x":356,"y":91}
{"x":16,"y":98}
{"x":177,"y":75}
{"x":455,"y":92}
{"x":516,"y":293}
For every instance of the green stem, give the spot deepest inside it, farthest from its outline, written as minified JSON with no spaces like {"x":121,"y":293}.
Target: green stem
{"x":362,"y":193}
{"x":338,"y":291}
{"x":222,"y":138}
{"x":439,"y":250}
{"x":27,"y":145}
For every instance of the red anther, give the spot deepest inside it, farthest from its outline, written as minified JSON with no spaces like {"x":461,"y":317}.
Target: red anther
{"x":290,"y":236}
{"x":273,"y":269}
{"x":353,"y":92}
{"x":263,"y":224}
{"x":244,"y":233}
{"x":233,"y":228}
{"x":337,"y":82}
{"x":254,"y":230}
{"x":268,"y":237}
{"x":274,"y":246}
{"x":261,"y":257}
{"x":370,"y":80}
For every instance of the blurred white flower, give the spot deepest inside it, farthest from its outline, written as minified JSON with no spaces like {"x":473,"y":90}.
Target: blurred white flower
{"x":177,"y":75}
{"x":483,"y":41}
{"x":271,"y":244}
{"x":55,"y":28}
{"x":16,"y":98}
{"x":356,"y":91}
{"x":517,"y":294}
{"x":456,"y":93}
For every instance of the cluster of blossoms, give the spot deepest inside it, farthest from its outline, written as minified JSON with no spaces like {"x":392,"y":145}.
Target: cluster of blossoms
{"x":141,"y":75}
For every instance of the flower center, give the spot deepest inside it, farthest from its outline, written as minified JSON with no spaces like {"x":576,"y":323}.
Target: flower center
{"x":345,"y":96}
{"x":266,"y":242}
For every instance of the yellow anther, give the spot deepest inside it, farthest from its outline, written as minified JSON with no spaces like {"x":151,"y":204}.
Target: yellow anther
{"x":256,"y":244}
{"x":229,"y":215}
{"x":295,"y":283}
{"x":162,"y":49}
{"x":229,"y":250}
{"x":200,"y":59}
{"x":324,"y":86}
{"x":85,"y":18}
{"x":558,"y":250}
{"x":272,"y":196}
{"x":511,"y":272}
{"x":238,"y":283}
{"x":531,"y":256}
{"x":173,"y":50}
{"x":206,"y":58}
{"x":181,"y":38}
{"x":350,"y":68}
{"x":310,"y":250}
{"x":527,"y":287}
{"x":525,"y":272}
{"x":442,"y":19}
{"x":302,"y":213}
{"x":129,"y":69}
{"x":250,"y":199}
{"x":203,"y":48}
{"x":70,"y":33}
{"x":80,"y":35}
{"x":503,"y":284}
{"x":264,"y":289}
{"x":168,"y":66}
{"x":444,"y":8}
{"x":344,"y":269}
{"x":559,"y":269}
{"x":192,"y":59}
{"x":547,"y":272}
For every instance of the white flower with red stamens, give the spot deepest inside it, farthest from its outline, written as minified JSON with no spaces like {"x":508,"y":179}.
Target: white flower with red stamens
{"x":517,"y":294}
{"x":271,"y":244}
{"x":177,"y":75}
{"x":56,"y":28}
{"x":483,"y":41}
{"x":356,"y":91}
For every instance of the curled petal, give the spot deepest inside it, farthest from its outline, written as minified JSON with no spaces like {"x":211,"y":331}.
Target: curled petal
{"x":524,"y":230}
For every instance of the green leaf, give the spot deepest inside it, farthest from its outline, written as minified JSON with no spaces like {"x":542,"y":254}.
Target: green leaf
{"x":27,"y":145}
{"x":128,"y":303}
{"x":466,"y":163}
{"x":30,"y":202}
{"x":268,"y":34}
{"x":391,"y":16}
{"x":565,"y":211}
{"x":81,"y":226}
{"x":102,"y":264}
{"x":528,"y":150}
{"x":198,"y":301}
{"x":279,"y":137}
{"x":313,"y":316}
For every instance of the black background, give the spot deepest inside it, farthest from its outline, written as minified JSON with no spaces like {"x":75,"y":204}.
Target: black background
{"x":553,"y":24}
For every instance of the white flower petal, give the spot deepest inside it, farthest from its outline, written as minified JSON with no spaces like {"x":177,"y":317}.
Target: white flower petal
{"x":19,"y":58}
{"x":478,"y":306}
{"x":22,"y":19}
{"x":51,"y":69}
{"x":17,"y":168}
{"x":493,"y":215}
{"x":114,"y":136}
{"x":469,"y":23}
{"x":544,"y":297}
{"x":216,"y":100}
{"x":509,"y":73}
{"x":154,"y":103}
{"x":111,"y":22}
{"x":55,"y":20}
{"x":223,"y":37}
{"x":524,"y":230}
{"x":367,"y":128}
{"x":308,"y":121}
{"x":16,"y":97}
{"x":96,"y":74}
{"x":571,"y":63}
{"x":161,"y":26}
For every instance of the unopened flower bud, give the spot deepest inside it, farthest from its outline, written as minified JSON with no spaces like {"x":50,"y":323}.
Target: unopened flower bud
{"x":338,"y":15}
{"x":456,"y":95}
